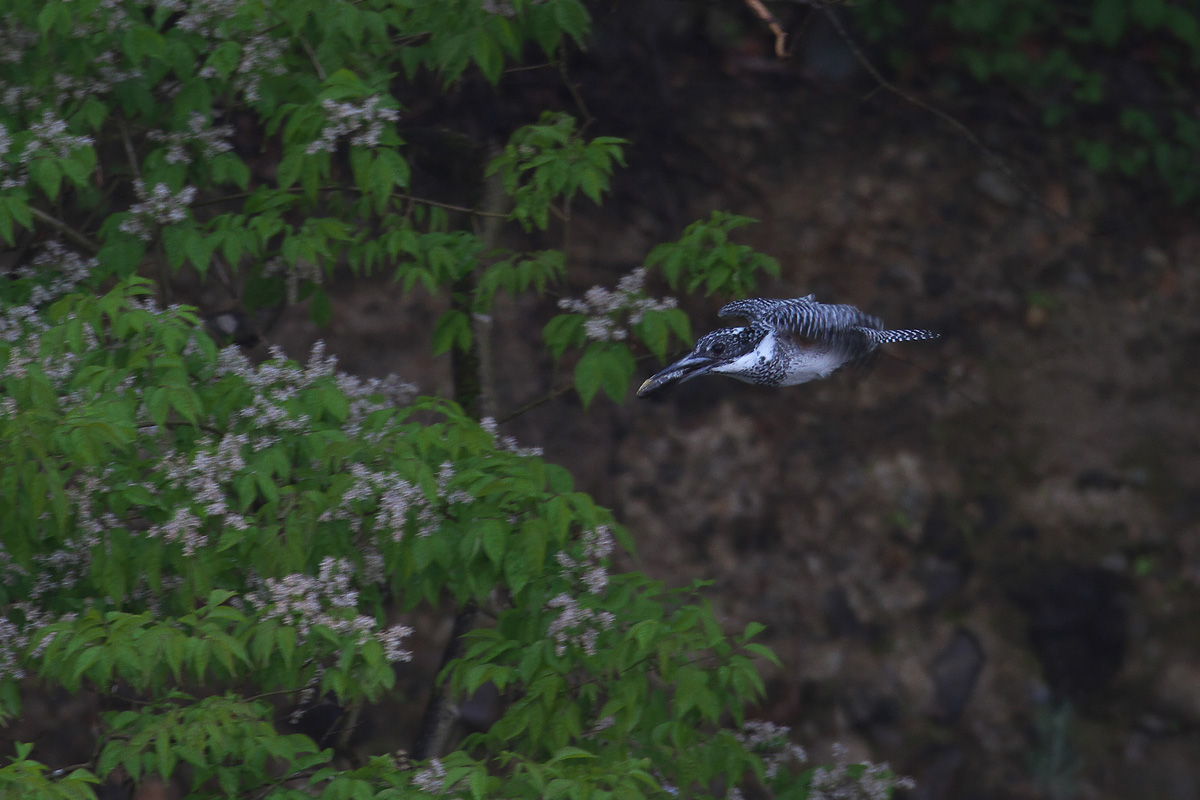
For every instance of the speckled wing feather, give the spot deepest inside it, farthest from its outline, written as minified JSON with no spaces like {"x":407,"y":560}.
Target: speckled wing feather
{"x":843,"y":329}
{"x":802,"y":315}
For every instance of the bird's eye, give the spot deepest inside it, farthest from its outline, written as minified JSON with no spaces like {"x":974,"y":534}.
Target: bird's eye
{"x":717,"y":348}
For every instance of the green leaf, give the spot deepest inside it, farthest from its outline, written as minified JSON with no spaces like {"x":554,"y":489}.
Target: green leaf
{"x":6,"y":219}
{"x":690,"y":685}
{"x":224,"y":58}
{"x":517,"y":571}
{"x":752,"y":629}
{"x":681,"y":326}
{"x":52,"y":14}
{"x":653,"y":331}
{"x":143,"y":42}
{"x":590,"y":371}
{"x":173,"y":239}
{"x":1148,"y":13}
{"x":762,"y":651}
{"x":46,"y":173}
{"x":199,"y":249}
{"x":495,"y":537}
{"x":79,"y":167}
{"x":1108,"y":19}
{"x":320,"y":310}
{"x":157,"y":400}
{"x":1096,"y":153}
{"x":164,"y":755}
{"x":453,"y":329}
{"x":120,"y":256}
{"x":604,"y":365}
{"x":618,"y":370}
{"x":289,"y":167}
{"x":1184,"y":24}
{"x":489,"y":58}
{"x":593,"y":184}
{"x":93,"y":112}
{"x":535,"y":536}
{"x":572,"y":17}
{"x":563,"y":331}
{"x":546,"y":30}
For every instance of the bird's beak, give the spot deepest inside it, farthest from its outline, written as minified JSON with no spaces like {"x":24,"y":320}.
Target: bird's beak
{"x":684,"y":369}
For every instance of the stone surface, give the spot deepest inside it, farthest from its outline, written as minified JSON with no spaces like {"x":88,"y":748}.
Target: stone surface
{"x":955,"y":670}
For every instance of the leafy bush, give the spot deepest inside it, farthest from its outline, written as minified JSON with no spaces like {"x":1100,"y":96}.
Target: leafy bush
{"x":201,"y":533}
{"x":209,"y":546}
{"x":1118,"y":75}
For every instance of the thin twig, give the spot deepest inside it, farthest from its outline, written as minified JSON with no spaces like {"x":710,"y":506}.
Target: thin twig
{"x":349,"y":726}
{"x":312,"y":56}
{"x":495,"y":200}
{"x":66,"y":230}
{"x":440,"y":714}
{"x":576,"y":97}
{"x":223,"y":278}
{"x":130,"y":153}
{"x":529,"y":68}
{"x":553,"y":394}
{"x":412,"y":198}
{"x":164,"y":275}
{"x":950,"y":120}
{"x":766,"y":16}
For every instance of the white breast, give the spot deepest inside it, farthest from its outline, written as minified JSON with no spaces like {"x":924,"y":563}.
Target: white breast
{"x":804,"y":364}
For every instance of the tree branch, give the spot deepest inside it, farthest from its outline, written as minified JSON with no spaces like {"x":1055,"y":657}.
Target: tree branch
{"x":766,"y":16}
{"x":72,"y":235}
{"x":401,"y":195}
{"x":953,"y":122}
{"x":525,"y":408}
{"x":474,"y":390}
{"x":553,"y":394}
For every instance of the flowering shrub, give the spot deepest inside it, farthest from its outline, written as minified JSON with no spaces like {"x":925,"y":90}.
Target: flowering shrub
{"x":188,"y":525}
{"x":210,"y":546}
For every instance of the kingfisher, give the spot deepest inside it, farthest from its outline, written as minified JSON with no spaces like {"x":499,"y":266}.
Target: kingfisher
{"x":786,"y":342}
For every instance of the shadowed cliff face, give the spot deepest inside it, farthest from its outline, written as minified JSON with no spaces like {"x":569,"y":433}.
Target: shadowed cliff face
{"x":937,"y":543}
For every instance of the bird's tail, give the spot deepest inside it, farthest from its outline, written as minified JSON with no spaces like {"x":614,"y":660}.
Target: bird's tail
{"x":888,"y":337}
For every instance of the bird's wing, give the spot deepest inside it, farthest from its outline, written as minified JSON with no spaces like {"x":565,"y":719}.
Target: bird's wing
{"x":803,"y":316}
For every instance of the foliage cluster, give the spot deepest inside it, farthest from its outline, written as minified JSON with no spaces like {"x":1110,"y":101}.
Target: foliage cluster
{"x":1119,"y":76}
{"x":188,"y":535}
{"x":209,"y":546}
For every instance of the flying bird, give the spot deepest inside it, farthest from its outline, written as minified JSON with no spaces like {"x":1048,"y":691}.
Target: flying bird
{"x":787,"y":342}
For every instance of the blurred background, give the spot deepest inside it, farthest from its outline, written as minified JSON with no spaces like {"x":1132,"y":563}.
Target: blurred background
{"x":979,"y":558}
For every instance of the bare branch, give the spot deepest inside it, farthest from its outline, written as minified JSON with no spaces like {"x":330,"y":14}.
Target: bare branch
{"x":766,"y":16}
{"x":962,"y":129}
{"x":75,"y":237}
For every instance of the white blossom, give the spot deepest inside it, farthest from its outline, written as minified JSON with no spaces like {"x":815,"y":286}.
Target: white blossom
{"x":772,"y":743}
{"x":432,"y":778}
{"x":608,"y":311}
{"x":262,"y":56}
{"x":838,"y":783}
{"x":363,"y":123}
{"x":49,"y":138}
{"x":508,"y":443}
{"x":158,"y":207}
{"x":327,"y":599}
{"x":576,"y":625}
{"x":200,"y":133}
{"x":293,"y":275}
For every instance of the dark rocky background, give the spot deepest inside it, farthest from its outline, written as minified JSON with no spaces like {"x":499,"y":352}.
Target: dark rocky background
{"x":979,"y":559}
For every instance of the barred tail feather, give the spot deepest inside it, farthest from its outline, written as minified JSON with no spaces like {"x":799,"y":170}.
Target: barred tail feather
{"x":888,"y":337}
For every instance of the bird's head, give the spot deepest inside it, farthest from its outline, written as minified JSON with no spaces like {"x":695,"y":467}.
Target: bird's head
{"x":719,"y":351}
